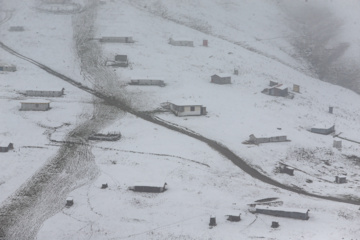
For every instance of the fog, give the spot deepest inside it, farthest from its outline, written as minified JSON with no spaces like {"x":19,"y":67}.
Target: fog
{"x":324,"y":37}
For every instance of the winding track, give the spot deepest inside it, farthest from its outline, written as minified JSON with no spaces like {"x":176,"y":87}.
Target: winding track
{"x":223,"y":150}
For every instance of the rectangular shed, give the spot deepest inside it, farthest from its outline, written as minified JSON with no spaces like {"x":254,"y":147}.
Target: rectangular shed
{"x":117,"y":39}
{"x":181,"y":42}
{"x":7,"y":68}
{"x":323,"y":129}
{"x":153,"y":81}
{"x":187,"y":109}
{"x":221,"y":79}
{"x":149,"y":187}
{"x":302,"y":214}
{"x":4,"y":148}
{"x":44,"y":93}
{"x":35,"y":105}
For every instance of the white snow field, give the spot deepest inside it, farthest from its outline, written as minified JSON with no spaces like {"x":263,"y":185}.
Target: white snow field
{"x":251,"y":36}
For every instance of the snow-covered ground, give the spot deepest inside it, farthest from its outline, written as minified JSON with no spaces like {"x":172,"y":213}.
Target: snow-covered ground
{"x":244,"y":35}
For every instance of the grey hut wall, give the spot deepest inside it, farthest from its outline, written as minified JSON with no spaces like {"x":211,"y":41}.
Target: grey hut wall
{"x":182,"y":43}
{"x":117,"y":39}
{"x":324,"y":131}
{"x":147,"y":82}
{"x":278,"y":92}
{"x":35,"y":93}
{"x":220,"y":80}
{"x":187,"y":110}
{"x":35,"y":106}
{"x":282,"y":213}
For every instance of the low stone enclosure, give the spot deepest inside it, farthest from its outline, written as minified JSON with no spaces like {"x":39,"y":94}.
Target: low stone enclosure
{"x":147,"y":82}
{"x":10,"y":146}
{"x":35,"y":105}
{"x":7,"y":68}
{"x":302,"y":214}
{"x":37,"y":93}
{"x":148,"y":187}
{"x":119,"y":61}
{"x":105,"y":137}
{"x":116,"y":40}
{"x":325,"y":130}
{"x":255,"y":140}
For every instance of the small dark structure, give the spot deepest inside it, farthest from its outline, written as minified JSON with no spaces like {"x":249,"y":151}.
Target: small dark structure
{"x":35,"y":105}
{"x":10,"y":146}
{"x":37,"y":93}
{"x":220,"y":79}
{"x":331,"y":109}
{"x":323,"y":130}
{"x":104,"y":185}
{"x":105,"y":137}
{"x":255,"y":140}
{"x":150,"y":188}
{"x":272,"y":83}
{"x":283,"y":212}
{"x":69,"y":202}
{"x":337,"y":144}
{"x":181,"y":42}
{"x":16,"y":29}
{"x":212,"y":221}
{"x":148,"y":82}
{"x":236,"y":71}
{"x":120,"y":61}
{"x":277,"y":90}
{"x":234,"y":218}
{"x":205,"y":43}
{"x":340,"y":179}
{"x":287,"y":170}
{"x":275,"y":224}
{"x":296,"y":88}
{"x":7,"y":68}
{"x":187,"y":110}
{"x":117,"y":40}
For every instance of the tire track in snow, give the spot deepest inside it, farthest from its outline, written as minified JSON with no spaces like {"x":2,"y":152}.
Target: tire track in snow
{"x":220,"y":148}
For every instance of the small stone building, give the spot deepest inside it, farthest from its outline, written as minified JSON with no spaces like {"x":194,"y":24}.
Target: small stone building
{"x":4,"y":148}
{"x":187,"y":109}
{"x":302,"y":214}
{"x":149,"y":187}
{"x":255,"y":140}
{"x":117,"y":40}
{"x":340,"y":179}
{"x":7,"y":68}
{"x":35,"y":105}
{"x":278,"y":90}
{"x":37,"y":93}
{"x":323,"y":129}
{"x":121,"y":61}
{"x":221,"y":79}
{"x":147,"y":81}
{"x":181,"y":42}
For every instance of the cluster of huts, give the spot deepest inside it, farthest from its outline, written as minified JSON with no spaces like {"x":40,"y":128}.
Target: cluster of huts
{"x":39,"y":104}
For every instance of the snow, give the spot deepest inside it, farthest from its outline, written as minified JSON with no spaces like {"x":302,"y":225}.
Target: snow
{"x":40,"y":101}
{"x":201,"y":181}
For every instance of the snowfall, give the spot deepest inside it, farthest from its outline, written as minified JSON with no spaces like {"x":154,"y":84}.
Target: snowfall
{"x":52,"y":158}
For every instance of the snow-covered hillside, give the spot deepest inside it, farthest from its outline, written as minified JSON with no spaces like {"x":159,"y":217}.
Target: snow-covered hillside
{"x":255,"y":37}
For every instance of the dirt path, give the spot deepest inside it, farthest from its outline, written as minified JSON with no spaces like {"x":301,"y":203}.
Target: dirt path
{"x":223,"y":150}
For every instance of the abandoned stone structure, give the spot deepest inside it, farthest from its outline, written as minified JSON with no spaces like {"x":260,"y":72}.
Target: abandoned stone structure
{"x":302,"y":214}
{"x":147,"y":82}
{"x":37,"y":93}
{"x":4,"y":148}
{"x":35,"y":105}
{"x":187,"y":109}
{"x":221,"y":79}
{"x":117,"y":40}
{"x":181,"y":42}
{"x":148,"y":187}
{"x":255,"y":140}
{"x":323,"y":129}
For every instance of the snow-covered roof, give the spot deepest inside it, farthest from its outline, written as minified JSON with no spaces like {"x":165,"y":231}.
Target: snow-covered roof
{"x":299,"y":210}
{"x":182,"y":39}
{"x":323,"y":125}
{"x":186,"y":104}
{"x":35,"y":101}
{"x":149,"y":184}
{"x":222,"y":75}
{"x":280,"y":86}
